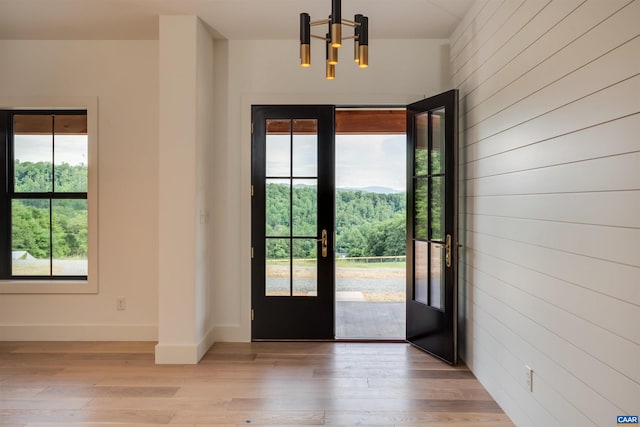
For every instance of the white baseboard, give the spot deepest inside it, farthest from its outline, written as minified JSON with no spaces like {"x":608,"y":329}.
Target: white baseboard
{"x":235,"y":333}
{"x":89,"y":332}
{"x":184,"y":354}
{"x":176,"y":354}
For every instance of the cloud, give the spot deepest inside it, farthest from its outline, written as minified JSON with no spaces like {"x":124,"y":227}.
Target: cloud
{"x":71,"y":149}
{"x":361,"y":160}
{"x":371,"y":160}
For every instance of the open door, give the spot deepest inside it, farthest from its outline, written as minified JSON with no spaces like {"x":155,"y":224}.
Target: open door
{"x":432,"y":136}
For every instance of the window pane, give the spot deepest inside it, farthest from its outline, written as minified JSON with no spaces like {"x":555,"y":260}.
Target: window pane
{"x":421,"y":144}
{"x":437,"y":138}
{"x":305,"y":148}
{"x":305,"y":207}
{"x":278,"y":146}
{"x":305,"y":269}
{"x":69,"y":219}
{"x":33,"y":153}
{"x":420,"y":211}
{"x":421,"y":272}
{"x":278,"y":271}
{"x":71,"y":154}
{"x":30,"y":253}
{"x":436,"y":275}
{"x":278,"y":204}
{"x":437,"y":208}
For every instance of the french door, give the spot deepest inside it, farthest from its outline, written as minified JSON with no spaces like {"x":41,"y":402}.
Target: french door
{"x":432,"y":130}
{"x":293,"y":201}
{"x":293,"y":223}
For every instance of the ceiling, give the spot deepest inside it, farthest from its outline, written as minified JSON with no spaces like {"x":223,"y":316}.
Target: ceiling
{"x":230,"y":19}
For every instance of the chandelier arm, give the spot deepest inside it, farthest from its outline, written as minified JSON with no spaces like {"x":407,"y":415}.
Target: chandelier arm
{"x":320,"y":22}
{"x":319,"y":37}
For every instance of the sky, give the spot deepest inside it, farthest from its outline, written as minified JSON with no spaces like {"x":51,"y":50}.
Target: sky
{"x":71,"y":149}
{"x":371,"y":160}
{"x":361,"y":160}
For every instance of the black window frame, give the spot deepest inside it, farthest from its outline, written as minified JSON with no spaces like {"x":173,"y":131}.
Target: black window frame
{"x":7,"y":195}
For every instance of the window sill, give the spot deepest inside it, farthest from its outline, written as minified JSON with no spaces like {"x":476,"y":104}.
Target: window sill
{"x":47,"y":287}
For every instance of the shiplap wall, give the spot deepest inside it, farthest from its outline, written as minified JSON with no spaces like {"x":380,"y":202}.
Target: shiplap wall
{"x":550,"y":206}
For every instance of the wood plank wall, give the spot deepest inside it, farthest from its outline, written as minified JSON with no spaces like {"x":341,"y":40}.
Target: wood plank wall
{"x":550,"y":205}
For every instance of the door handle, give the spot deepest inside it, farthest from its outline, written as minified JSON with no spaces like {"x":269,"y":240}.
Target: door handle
{"x":447,"y":251}
{"x":324,"y":244}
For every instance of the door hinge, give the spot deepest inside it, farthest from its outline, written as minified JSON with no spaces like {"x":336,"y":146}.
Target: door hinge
{"x":251,"y":128}
{"x":251,"y":190}
{"x":251,"y":252}
{"x":252,"y":314}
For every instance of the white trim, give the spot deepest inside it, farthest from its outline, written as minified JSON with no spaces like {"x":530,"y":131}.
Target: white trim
{"x":206,"y":343}
{"x":179,"y":354}
{"x":183,"y":354}
{"x":231,"y":333}
{"x":89,"y":103}
{"x":89,"y":332}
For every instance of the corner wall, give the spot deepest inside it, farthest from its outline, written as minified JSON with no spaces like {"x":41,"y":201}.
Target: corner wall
{"x":186,"y":132}
{"x":550,"y":180}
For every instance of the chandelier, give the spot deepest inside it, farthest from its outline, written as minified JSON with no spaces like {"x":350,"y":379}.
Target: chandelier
{"x":333,"y":38}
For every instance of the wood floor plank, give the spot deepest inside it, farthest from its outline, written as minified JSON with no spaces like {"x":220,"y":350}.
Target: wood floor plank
{"x":310,"y":404}
{"x":105,"y":391}
{"x":65,"y":417}
{"x":415,"y":418}
{"x":40,"y":404}
{"x":238,"y":384}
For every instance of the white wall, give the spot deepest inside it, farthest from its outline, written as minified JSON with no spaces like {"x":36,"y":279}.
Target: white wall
{"x":268,"y":72}
{"x":123,"y":77}
{"x":186,"y":115}
{"x":135,"y":174}
{"x":550,"y":165}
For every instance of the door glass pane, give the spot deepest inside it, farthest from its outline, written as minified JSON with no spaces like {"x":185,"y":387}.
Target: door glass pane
{"x":305,"y":267}
{"x":277,"y":212}
{"x":277,"y":267}
{"x":70,"y":154}
{"x":436,"y":275}
{"x":422,"y":130}
{"x":278,"y":148}
{"x":33,"y":152}
{"x":420,"y":211}
{"x":437,"y":208}
{"x":69,"y":219}
{"x":30,"y":245}
{"x":421,"y":272}
{"x":305,"y":207}
{"x":437,"y":141}
{"x":305,"y":148}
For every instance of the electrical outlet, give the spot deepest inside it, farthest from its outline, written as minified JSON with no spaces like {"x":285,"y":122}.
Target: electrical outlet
{"x":529,"y":373}
{"x":121,"y":303}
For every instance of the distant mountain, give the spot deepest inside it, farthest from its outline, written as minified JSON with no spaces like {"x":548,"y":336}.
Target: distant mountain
{"x":372,"y":189}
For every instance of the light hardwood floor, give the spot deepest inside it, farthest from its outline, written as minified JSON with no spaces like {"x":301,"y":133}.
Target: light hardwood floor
{"x":285,"y":384}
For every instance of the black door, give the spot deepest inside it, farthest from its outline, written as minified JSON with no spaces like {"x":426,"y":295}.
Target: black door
{"x":293,"y":200}
{"x":432,"y":131}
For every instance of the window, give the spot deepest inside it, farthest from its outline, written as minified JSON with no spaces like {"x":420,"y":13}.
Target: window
{"x":44,"y":207}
